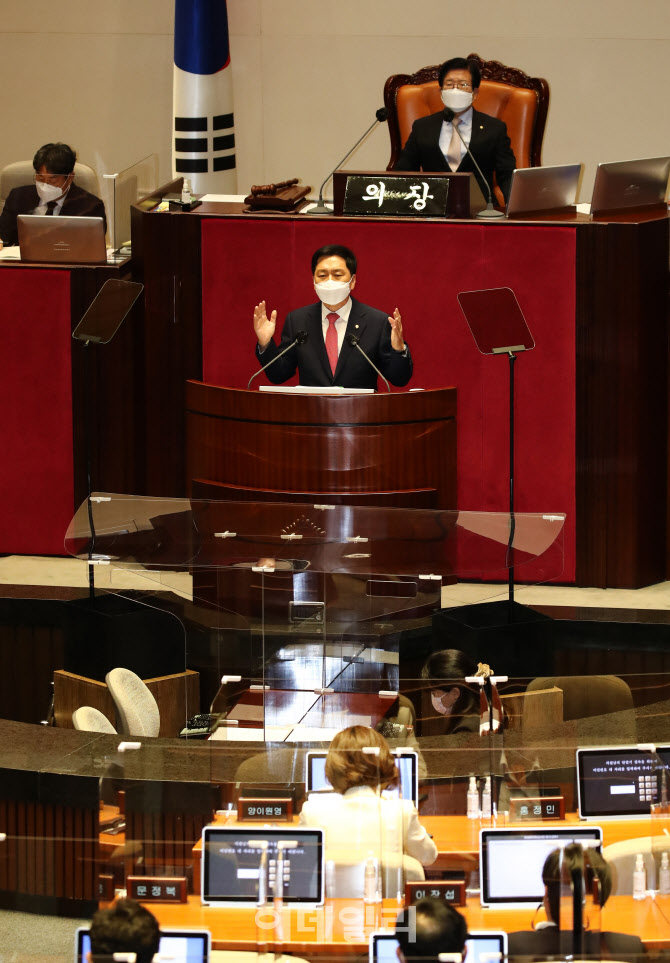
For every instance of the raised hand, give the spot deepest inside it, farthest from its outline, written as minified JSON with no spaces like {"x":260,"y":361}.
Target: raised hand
{"x":264,"y":326}
{"x":397,"y":341}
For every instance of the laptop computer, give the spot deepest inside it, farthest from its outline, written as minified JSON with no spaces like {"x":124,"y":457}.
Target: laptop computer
{"x":482,"y":946}
{"x":177,"y":946}
{"x":61,"y":240}
{"x":231,"y":867}
{"x":511,"y":860}
{"x":620,"y":185}
{"x":407,"y":762}
{"x":620,"y":781}
{"x":544,"y":189}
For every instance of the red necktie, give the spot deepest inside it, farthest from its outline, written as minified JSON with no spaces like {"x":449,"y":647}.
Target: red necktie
{"x":331,"y":340}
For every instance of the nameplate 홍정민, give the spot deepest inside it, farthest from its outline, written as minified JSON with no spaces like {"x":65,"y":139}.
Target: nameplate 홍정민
{"x":393,"y":196}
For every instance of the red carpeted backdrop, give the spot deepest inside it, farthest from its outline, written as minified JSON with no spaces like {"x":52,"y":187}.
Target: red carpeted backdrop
{"x":420,"y":268}
{"x":36,"y":482}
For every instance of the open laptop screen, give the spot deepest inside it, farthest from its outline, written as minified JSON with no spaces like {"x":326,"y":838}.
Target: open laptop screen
{"x":232,"y":868}
{"x":407,"y":762}
{"x":482,"y":946}
{"x":176,"y":946}
{"x":634,"y":183}
{"x":620,"y":780}
{"x":511,"y":860}
{"x":62,"y":239}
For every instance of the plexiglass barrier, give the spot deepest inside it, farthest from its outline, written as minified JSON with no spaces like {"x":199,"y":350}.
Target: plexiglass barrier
{"x":128,"y":186}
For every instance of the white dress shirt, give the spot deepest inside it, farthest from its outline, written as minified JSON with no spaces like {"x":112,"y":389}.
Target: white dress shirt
{"x":465,"y":128}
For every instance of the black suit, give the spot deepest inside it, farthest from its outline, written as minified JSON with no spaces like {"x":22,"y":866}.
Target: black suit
{"x":353,"y":371}
{"x":545,"y":942}
{"x":24,"y":200}
{"x":489,"y":144}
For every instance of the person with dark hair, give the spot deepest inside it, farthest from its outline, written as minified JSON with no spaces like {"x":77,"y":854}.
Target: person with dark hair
{"x":437,"y":928}
{"x":434,"y":144}
{"x":452,"y":699}
{"x":561,"y":867}
{"x":359,"y":766}
{"x":126,"y":927}
{"x":53,"y":192}
{"x":326,"y":358}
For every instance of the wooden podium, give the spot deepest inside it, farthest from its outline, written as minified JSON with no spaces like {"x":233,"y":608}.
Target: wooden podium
{"x":392,"y":450}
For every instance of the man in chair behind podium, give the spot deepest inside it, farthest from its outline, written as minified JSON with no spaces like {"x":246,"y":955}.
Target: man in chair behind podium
{"x":51,"y":193}
{"x":434,"y":145}
{"x":326,"y":357}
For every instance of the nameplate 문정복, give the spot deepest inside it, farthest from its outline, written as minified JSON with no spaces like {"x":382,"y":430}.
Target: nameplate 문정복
{"x":157,"y":889}
{"x":405,"y":196}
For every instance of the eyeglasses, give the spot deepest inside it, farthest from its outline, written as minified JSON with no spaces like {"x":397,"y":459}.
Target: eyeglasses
{"x":462,"y":85}
{"x":49,"y":178}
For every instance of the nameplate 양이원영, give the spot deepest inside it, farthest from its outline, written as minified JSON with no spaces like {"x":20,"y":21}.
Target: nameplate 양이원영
{"x":421,"y":196}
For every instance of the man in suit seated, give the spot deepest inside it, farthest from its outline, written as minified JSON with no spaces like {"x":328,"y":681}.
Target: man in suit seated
{"x":126,"y":927}
{"x":52,"y":192}
{"x":434,"y":144}
{"x":547,"y":938}
{"x":326,"y":357}
{"x":438,"y":928}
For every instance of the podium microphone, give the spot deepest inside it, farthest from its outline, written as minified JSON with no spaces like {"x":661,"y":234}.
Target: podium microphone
{"x":489,"y":210}
{"x":353,"y":340}
{"x":300,"y":338}
{"x":380,"y":116}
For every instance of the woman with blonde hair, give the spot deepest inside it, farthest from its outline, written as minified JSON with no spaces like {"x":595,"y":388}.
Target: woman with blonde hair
{"x":359,"y":766}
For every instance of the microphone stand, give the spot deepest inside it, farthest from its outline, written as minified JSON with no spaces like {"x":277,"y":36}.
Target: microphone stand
{"x":380,"y":116}
{"x":489,"y":211}
{"x":353,"y":340}
{"x":300,"y":338}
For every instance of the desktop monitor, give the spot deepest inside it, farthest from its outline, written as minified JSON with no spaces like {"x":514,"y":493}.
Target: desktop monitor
{"x":482,"y":946}
{"x":620,"y":781}
{"x":407,"y":762}
{"x":231,"y":864}
{"x":511,"y":860}
{"x":177,"y":946}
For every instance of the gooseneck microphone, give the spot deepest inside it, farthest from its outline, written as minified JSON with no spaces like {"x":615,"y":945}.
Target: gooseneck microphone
{"x":489,"y":210}
{"x":380,"y":116}
{"x":353,"y":340}
{"x":300,"y":338}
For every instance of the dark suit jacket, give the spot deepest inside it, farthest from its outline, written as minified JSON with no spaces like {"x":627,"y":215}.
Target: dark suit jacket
{"x":353,"y":371}
{"x":24,"y":200}
{"x":489,"y":143}
{"x":545,"y":942}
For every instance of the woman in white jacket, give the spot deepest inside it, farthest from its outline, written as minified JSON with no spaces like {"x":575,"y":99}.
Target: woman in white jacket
{"x":357,"y":819}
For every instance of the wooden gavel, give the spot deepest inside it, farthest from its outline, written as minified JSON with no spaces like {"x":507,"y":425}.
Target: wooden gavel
{"x":257,"y":189}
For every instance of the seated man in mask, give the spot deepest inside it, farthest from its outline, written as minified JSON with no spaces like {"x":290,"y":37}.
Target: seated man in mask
{"x":51,"y":193}
{"x":434,"y":144}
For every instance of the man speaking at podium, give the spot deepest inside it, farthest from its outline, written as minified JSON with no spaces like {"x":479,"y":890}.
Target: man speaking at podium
{"x":324,"y":338}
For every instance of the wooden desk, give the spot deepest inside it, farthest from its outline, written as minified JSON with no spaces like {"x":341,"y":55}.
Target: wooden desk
{"x":342,"y":927}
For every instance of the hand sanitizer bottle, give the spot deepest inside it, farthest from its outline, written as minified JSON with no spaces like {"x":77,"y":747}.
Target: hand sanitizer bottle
{"x":664,"y":876}
{"x":370,"y":880}
{"x":186,"y":193}
{"x":486,"y":799}
{"x":473,"y":799}
{"x":639,"y":878}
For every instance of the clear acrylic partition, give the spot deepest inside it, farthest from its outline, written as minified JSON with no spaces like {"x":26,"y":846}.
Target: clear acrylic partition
{"x":283,"y":624}
{"x":128,"y":187}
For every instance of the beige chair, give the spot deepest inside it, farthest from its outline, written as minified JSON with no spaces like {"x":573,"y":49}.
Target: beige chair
{"x":21,"y":173}
{"x":137,"y":710}
{"x":88,"y":719}
{"x":345,"y":874}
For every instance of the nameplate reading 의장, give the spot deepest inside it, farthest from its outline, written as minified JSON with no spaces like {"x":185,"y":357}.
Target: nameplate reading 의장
{"x":420,"y":196}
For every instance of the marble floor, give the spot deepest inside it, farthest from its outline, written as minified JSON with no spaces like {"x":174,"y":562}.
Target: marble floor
{"x":73,"y":573}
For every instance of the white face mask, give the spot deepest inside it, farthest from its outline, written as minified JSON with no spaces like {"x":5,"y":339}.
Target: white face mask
{"x":332,"y":292}
{"x":456,"y":99}
{"x":48,"y":192}
{"x":438,"y":704}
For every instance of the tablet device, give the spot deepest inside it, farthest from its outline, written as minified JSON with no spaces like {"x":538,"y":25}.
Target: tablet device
{"x":482,"y":946}
{"x":511,"y":860}
{"x":44,"y":238}
{"x":176,"y":946}
{"x":232,"y":861}
{"x":407,"y":761}
{"x":620,"y":781}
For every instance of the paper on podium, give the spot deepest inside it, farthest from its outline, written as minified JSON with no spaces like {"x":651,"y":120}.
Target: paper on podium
{"x":315,"y":390}
{"x":11,"y":253}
